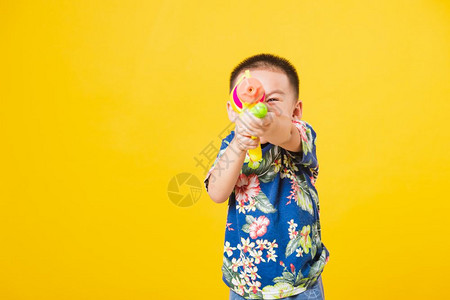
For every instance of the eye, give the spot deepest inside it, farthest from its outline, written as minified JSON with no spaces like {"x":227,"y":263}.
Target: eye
{"x":272,"y":99}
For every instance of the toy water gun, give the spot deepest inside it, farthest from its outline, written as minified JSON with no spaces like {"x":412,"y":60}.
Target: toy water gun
{"x":249,"y":94}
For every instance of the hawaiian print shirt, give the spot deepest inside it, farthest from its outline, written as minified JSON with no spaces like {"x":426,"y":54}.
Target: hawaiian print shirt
{"x":273,"y":246}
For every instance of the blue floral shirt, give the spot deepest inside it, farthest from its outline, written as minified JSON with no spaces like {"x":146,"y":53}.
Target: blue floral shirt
{"x":273,"y":246}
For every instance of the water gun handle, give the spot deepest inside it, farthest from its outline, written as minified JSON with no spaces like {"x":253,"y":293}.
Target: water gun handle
{"x":259,"y":110}
{"x":248,"y":94}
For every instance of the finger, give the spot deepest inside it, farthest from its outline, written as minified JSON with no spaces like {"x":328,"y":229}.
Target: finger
{"x":254,"y":143}
{"x":251,"y":119}
{"x":246,"y":119}
{"x":247,"y":127}
{"x":253,"y":124}
{"x":244,"y":132}
{"x":244,"y":144}
{"x":249,"y":140}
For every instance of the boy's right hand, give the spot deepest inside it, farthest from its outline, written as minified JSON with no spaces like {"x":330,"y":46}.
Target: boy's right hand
{"x":242,"y":138}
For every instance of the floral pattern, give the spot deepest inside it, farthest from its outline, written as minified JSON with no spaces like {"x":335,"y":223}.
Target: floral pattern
{"x":300,"y":192}
{"x":258,"y":227}
{"x":243,"y":271}
{"x":297,"y":239}
{"x":247,"y":187}
{"x":261,"y":213}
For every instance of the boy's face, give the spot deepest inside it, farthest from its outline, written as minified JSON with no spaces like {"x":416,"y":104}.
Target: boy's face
{"x":280,"y":96}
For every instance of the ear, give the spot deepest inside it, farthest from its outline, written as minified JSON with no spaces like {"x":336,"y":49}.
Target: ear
{"x":297,"y":113}
{"x":232,"y":115}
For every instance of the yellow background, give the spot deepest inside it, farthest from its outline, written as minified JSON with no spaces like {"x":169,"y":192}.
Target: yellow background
{"x":103,"y":102}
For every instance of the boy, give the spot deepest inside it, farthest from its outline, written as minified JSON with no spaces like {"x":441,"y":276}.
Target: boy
{"x":273,"y":245}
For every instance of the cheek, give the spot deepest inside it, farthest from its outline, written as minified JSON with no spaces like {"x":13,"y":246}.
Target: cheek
{"x":275,"y":107}
{"x":282,"y":109}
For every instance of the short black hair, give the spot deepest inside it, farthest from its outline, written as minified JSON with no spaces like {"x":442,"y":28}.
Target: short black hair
{"x":271,"y":62}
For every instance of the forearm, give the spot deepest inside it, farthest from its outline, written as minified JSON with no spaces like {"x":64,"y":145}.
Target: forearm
{"x":284,"y":134}
{"x":224,"y":176}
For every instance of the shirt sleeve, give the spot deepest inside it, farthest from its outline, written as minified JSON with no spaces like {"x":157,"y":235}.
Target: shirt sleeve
{"x":307,"y":156}
{"x":225,"y":142}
